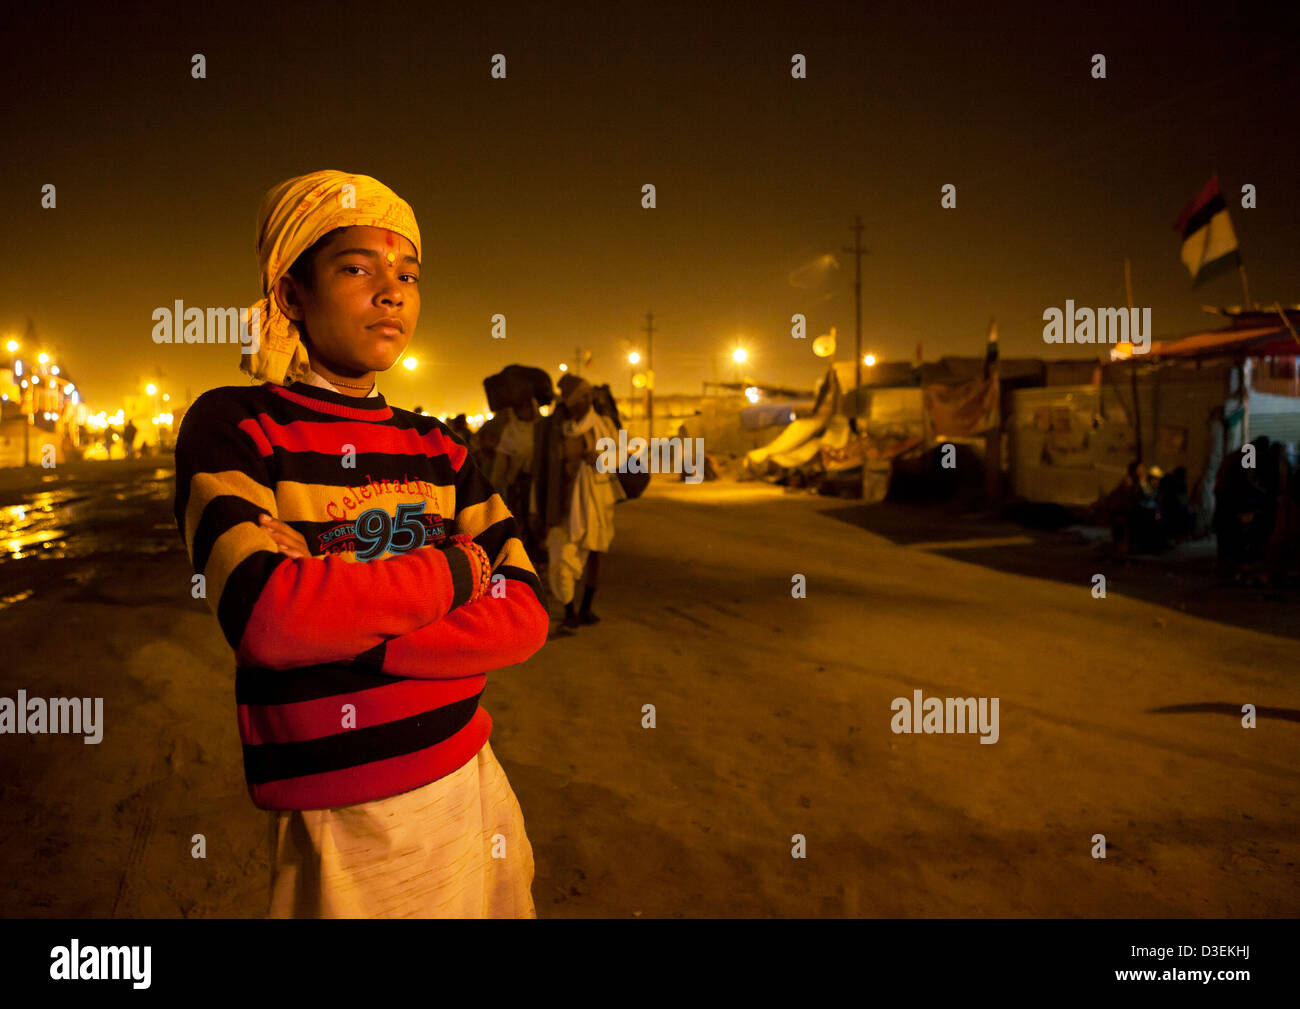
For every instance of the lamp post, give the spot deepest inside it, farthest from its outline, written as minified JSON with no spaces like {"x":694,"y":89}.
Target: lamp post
{"x":649,"y":373}
{"x":633,"y":359}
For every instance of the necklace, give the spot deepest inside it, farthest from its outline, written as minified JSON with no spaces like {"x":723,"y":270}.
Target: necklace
{"x":347,"y":385}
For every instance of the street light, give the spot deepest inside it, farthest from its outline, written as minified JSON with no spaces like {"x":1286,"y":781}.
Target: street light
{"x":740,"y":356}
{"x":410,"y":364}
{"x":633,"y":359}
{"x":12,"y":346}
{"x":869,"y":360}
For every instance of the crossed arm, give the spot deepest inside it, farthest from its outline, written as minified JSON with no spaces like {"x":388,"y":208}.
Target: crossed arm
{"x":500,"y":629}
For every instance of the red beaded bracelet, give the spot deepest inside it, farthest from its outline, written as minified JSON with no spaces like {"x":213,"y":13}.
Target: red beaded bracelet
{"x":479,"y":558}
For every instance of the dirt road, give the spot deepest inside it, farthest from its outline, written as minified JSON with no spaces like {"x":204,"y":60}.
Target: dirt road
{"x":1117,"y":716}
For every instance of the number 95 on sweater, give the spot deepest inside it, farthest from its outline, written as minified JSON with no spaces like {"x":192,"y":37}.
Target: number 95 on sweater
{"x":378,"y":533}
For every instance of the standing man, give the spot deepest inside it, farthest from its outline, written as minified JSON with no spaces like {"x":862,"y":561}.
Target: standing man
{"x":579,"y":516}
{"x":128,"y":439}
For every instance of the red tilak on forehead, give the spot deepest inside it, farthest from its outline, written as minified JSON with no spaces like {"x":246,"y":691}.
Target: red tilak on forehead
{"x":390,"y":238}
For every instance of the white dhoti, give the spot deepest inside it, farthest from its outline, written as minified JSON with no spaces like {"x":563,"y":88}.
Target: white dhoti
{"x":427,"y":853}
{"x":590,"y":522}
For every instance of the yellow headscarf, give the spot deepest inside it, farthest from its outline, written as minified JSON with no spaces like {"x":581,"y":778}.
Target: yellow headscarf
{"x":293,"y":215}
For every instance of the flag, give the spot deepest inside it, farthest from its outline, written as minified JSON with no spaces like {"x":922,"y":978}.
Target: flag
{"x":1209,"y":243}
{"x":962,"y":409}
{"x":965,"y":409}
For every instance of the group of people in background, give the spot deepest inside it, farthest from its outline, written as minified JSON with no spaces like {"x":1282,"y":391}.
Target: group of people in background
{"x":544,"y":468}
{"x":1154,"y":512}
{"x":1256,"y":513}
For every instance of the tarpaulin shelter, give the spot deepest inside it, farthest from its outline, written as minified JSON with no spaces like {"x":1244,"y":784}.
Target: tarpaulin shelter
{"x":761,"y":415}
{"x":1187,"y":403}
{"x":1252,"y":333}
{"x":825,"y":446}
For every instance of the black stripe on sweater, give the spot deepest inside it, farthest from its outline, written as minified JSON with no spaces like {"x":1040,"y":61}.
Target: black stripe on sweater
{"x":326,"y":470}
{"x":353,"y":747}
{"x":257,"y":686}
{"x":520,"y":575}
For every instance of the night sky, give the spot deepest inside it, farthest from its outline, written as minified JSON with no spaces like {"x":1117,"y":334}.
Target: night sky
{"x":528,"y":189}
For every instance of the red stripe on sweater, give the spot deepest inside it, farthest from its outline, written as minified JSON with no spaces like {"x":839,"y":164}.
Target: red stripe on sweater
{"x":377,"y":780}
{"x":254,"y":430}
{"x":304,"y":720}
{"x":329,"y":437}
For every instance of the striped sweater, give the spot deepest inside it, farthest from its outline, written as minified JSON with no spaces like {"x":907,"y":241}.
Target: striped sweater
{"x":358,"y":670}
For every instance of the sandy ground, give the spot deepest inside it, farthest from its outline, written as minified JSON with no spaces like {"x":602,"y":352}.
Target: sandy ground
{"x":1118,"y":716}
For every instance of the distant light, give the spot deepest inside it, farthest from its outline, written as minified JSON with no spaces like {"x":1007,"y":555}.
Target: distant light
{"x":55,"y":370}
{"x":490,"y":415}
{"x":12,"y":345}
{"x":43,"y":358}
{"x":792,"y":416}
{"x":150,"y":389}
{"x":869,"y":360}
{"x":638,"y":380}
{"x":634,"y":358}
{"x":67,"y":389}
{"x":751,"y":394}
{"x":24,"y":383}
{"x":564,"y":367}
{"x":167,"y":397}
{"x":18,"y":368}
{"x":740,"y":355}
{"x":410,"y":364}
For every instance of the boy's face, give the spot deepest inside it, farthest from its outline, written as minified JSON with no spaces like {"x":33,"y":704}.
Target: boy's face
{"x":361,"y":310}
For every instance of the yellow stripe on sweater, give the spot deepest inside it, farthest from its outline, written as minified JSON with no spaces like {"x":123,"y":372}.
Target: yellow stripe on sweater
{"x":204,"y":487}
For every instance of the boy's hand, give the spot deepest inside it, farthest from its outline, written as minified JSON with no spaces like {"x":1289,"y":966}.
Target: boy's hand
{"x":288,"y":539}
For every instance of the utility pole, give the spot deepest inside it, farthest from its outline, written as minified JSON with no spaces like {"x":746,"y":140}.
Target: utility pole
{"x":858,"y":252}
{"x":650,"y":374}
{"x":1133,"y":365}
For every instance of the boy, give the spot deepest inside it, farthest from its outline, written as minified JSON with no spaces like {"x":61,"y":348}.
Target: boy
{"x":367,"y":577}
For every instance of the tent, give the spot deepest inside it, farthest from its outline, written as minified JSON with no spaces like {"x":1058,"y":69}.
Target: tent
{"x":833,"y":444}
